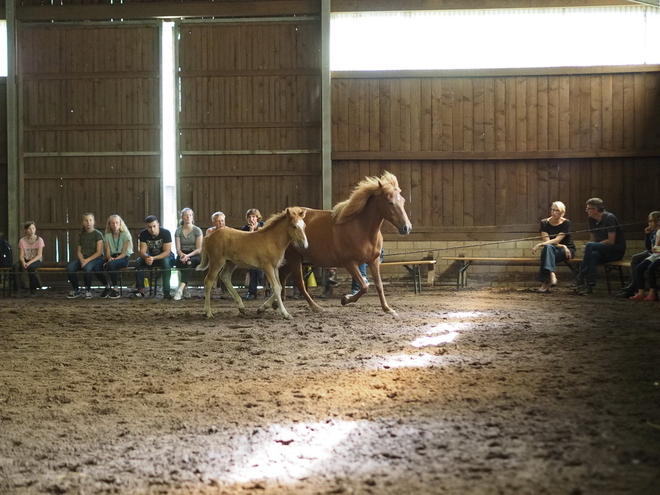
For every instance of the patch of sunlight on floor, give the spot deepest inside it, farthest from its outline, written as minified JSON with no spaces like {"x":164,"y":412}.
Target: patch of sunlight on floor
{"x":422,"y":360}
{"x":282,"y":452}
{"x":427,"y":341}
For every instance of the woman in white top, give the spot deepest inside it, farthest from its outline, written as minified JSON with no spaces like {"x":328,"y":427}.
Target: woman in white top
{"x":30,"y":252}
{"x":118,"y":246}
{"x":188,"y":238}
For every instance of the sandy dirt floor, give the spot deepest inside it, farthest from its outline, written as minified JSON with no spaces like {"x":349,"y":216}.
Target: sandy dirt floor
{"x":472,"y":392}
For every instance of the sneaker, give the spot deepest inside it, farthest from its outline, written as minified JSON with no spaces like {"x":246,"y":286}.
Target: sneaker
{"x":352,"y":293}
{"x":105,"y":293}
{"x":74,"y":294}
{"x":250,"y":297}
{"x":577,"y":283}
{"x":140,"y":294}
{"x":88,"y":294}
{"x":186,"y":293}
{"x":178,"y":294}
{"x":167,"y":295}
{"x":586,"y":290}
{"x":114,"y":294}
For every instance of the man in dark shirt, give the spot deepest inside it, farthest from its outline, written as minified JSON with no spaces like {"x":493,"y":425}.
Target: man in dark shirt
{"x":606,"y":243}
{"x":155,"y":251}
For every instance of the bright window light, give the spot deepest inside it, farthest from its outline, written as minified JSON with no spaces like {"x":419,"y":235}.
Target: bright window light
{"x":480,"y":39}
{"x":3,"y":48}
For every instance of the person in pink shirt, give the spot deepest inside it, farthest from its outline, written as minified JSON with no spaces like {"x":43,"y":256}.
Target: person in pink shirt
{"x":30,"y":252}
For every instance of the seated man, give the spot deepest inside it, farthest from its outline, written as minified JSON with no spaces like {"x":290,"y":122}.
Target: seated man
{"x":607,"y":243}
{"x":155,"y":250}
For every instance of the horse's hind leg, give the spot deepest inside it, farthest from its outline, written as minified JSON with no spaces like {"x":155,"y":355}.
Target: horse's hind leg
{"x":225,"y":276}
{"x":298,"y":281}
{"x":208,"y":285}
{"x":276,"y":296}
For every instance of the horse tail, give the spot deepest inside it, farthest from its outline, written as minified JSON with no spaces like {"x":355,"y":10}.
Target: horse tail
{"x":204,"y":264}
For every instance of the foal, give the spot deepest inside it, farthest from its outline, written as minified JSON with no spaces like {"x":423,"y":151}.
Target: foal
{"x":226,"y":249}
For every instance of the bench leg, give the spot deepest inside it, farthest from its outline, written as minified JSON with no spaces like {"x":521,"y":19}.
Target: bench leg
{"x":416,"y":276}
{"x":461,"y":277}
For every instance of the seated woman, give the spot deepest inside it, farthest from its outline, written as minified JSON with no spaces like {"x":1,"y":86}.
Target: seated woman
{"x":89,"y":258}
{"x":556,"y":243}
{"x":650,"y":267}
{"x":188,"y":238}
{"x":219,"y":222}
{"x":30,"y":251}
{"x":118,"y":250}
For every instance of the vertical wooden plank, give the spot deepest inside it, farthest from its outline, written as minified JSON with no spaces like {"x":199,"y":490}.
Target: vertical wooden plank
{"x":501,"y":127}
{"x":521,"y":114}
{"x":384,"y":120}
{"x":479,"y":124}
{"x":532,"y":140}
{"x":596,"y":113}
{"x":436,"y":114}
{"x":447,"y":115}
{"x":467,"y":117}
{"x":489,"y":114}
{"x":607,"y":115}
{"x":426,"y":115}
{"x":628,"y":126}
{"x":457,"y":116}
{"x":416,"y":106}
{"x":374,"y":115}
{"x":405,"y":114}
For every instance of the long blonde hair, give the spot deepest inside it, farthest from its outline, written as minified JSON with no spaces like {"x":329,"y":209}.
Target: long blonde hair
{"x":122,"y":227}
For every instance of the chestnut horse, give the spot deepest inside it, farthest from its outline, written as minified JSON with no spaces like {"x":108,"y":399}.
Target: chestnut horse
{"x":349,"y":235}
{"x":226,"y":249}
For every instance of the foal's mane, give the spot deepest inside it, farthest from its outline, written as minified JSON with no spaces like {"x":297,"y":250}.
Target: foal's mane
{"x":370,"y":186}
{"x":296,"y":211}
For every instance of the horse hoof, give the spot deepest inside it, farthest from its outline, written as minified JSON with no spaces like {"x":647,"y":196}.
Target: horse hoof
{"x":345,"y":300}
{"x":209,"y":315}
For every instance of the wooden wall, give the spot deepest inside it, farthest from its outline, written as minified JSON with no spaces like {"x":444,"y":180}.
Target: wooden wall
{"x":250,"y":118}
{"x":89,"y":127}
{"x":475,"y":150}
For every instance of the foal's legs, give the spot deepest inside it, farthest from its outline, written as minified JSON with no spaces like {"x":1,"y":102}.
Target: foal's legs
{"x":276,"y":295}
{"x":225,"y":276}
{"x":208,"y":285}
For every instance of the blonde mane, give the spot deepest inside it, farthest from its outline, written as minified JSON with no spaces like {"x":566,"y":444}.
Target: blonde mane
{"x":276,"y":217}
{"x":370,"y":186}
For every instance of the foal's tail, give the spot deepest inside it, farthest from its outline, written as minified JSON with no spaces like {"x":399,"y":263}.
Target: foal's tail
{"x":204,"y":264}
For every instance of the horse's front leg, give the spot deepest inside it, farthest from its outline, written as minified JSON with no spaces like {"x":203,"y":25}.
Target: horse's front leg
{"x":276,"y":295}
{"x":354,"y":271}
{"x":225,"y":276}
{"x":298,"y":281}
{"x":375,"y":273}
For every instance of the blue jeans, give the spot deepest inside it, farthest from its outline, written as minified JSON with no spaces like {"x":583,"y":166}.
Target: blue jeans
{"x":550,"y":256}
{"x":94,"y":266}
{"x":165,"y":265}
{"x":650,"y":268}
{"x":596,"y":253}
{"x":112,"y":267}
{"x":256,"y":276}
{"x":355,"y":286}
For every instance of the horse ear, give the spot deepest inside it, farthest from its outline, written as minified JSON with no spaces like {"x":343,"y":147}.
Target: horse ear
{"x":380,"y":184}
{"x":303,"y":212}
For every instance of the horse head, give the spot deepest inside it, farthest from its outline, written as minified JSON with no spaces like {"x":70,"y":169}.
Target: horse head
{"x":392,"y":207}
{"x":296,"y":227}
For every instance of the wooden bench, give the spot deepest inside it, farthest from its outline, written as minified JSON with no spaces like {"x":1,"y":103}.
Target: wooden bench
{"x":464,"y":262}
{"x":414,"y":267}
